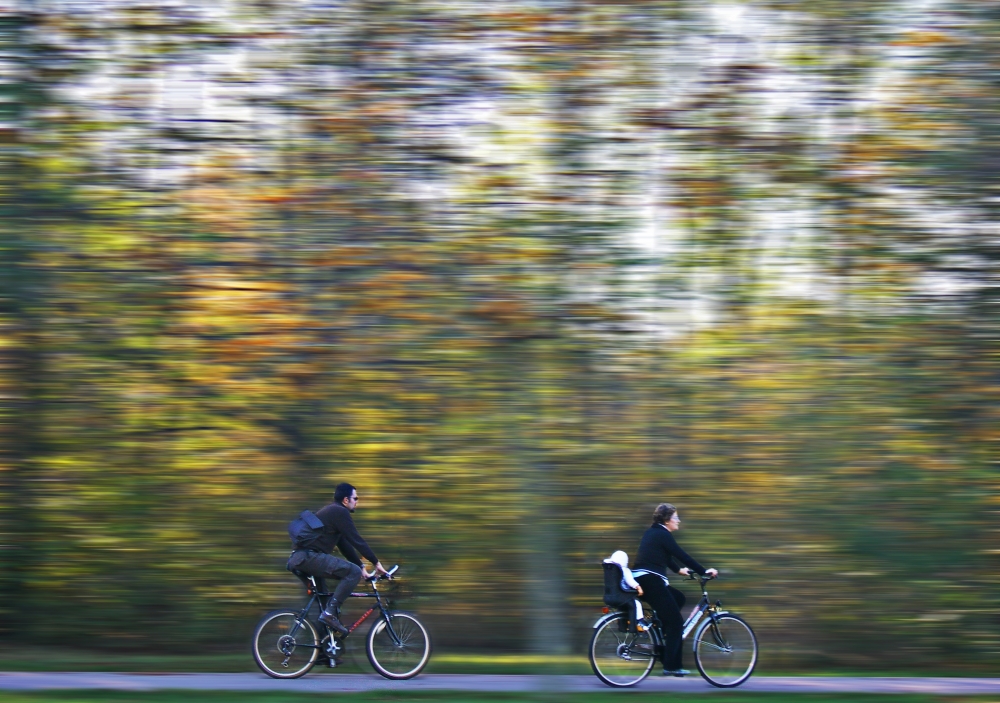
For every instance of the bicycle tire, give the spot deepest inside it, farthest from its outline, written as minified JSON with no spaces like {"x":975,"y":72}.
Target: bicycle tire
{"x":285,"y":646}
{"x":405,"y":659}
{"x":725,"y":650}
{"x":611,"y":654}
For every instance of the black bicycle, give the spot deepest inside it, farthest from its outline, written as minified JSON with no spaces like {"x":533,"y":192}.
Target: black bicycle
{"x":286,"y":643}
{"x":622,"y":652}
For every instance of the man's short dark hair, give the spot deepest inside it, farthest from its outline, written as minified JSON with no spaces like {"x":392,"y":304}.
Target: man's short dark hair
{"x":343,"y":490}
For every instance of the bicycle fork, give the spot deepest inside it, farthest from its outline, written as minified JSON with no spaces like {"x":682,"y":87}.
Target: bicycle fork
{"x":713,"y":624}
{"x":720,"y":641}
{"x":392,"y":633}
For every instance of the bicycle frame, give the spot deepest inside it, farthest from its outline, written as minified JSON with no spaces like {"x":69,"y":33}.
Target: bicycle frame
{"x":697,"y":614}
{"x":704,"y":605}
{"x":321,"y":598}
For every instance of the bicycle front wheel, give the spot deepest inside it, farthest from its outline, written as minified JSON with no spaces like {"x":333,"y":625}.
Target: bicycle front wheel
{"x":618,"y":657}
{"x":284,"y":646}
{"x":725,"y":650}
{"x":399,"y":649}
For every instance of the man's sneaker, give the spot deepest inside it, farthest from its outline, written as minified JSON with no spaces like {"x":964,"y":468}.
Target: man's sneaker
{"x":676,"y":672}
{"x":331,"y":621}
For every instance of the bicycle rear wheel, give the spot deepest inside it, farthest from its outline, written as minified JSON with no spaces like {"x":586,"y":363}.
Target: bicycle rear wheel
{"x":618,"y":657}
{"x":402,"y":656}
{"x":725,"y":650}
{"x":284,"y":646}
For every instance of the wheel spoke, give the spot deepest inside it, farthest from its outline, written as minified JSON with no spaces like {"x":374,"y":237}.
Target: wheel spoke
{"x":712,"y":645}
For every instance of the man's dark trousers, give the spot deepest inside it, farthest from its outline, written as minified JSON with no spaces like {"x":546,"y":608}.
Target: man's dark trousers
{"x":327,"y":566}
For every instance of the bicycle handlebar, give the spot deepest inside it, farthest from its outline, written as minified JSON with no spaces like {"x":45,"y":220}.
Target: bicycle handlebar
{"x":387,"y":575}
{"x":698,"y":577}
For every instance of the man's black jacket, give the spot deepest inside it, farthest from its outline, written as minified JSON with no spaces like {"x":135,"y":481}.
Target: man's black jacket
{"x":341,"y":533}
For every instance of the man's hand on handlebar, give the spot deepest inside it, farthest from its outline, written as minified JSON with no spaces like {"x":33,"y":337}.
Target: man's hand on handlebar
{"x":712,"y":572}
{"x":379,"y":570}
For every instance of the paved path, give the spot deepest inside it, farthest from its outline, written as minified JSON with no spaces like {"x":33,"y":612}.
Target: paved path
{"x":325,"y":682}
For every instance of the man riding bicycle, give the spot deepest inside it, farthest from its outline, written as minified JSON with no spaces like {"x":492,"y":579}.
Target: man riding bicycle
{"x":339,"y":531}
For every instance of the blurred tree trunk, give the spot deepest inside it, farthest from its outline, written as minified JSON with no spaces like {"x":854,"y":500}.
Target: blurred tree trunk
{"x":23,"y":213}
{"x":543,"y":565}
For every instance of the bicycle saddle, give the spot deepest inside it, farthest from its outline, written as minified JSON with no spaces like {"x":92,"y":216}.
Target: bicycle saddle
{"x":312,"y":583}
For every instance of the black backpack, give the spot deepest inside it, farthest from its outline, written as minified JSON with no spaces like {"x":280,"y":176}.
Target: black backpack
{"x":306,"y":530}
{"x":614,"y":596}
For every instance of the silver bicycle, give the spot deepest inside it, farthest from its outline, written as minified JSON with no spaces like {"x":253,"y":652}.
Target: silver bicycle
{"x":622,"y":652}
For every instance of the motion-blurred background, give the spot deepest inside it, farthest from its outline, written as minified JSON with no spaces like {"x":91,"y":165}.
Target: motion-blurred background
{"x":519,"y":271}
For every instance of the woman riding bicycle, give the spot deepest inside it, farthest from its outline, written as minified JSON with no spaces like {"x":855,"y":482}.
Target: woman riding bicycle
{"x":658,"y":551}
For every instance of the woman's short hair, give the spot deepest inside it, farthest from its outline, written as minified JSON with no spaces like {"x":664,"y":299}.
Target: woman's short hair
{"x":663,"y":513}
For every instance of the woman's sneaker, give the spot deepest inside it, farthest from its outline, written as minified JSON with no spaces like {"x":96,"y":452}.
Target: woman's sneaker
{"x":676,"y":672}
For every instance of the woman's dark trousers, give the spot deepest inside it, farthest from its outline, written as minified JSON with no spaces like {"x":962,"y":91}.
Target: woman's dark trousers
{"x":666,"y":601}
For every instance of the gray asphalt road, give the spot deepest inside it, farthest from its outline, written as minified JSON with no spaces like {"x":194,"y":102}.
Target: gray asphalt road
{"x":325,"y":682}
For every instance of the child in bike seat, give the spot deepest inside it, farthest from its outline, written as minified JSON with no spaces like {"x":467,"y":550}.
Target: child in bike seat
{"x":628,"y":581}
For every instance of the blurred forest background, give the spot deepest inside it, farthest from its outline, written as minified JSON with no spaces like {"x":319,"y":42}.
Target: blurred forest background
{"x":519,"y":271}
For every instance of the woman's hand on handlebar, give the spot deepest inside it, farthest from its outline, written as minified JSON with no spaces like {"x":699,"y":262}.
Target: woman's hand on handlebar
{"x":381,"y":570}
{"x":711,"y":573}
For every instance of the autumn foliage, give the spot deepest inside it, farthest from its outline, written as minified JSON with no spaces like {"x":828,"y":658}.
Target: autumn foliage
{"x":519,"y":272}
